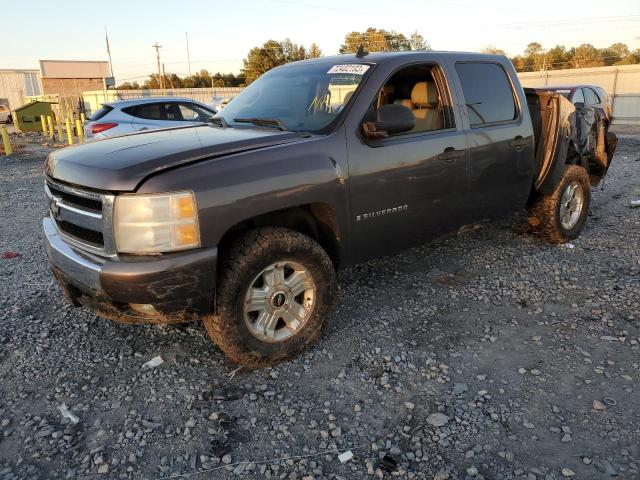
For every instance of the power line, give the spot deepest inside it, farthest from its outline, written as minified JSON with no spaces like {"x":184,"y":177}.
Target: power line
{"x":576,"y":21}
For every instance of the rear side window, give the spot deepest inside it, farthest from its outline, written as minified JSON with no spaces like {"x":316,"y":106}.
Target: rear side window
{"x":101,"y":112}
{"x":487,"y":92}
{"x":148,"y":111}
{"x":591,"y":97}
{"x":578,"y":97}
{"x":600,"y":92}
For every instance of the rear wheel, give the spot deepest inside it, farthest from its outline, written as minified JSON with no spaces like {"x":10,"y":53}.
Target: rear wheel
{"x":275,"y":290}
{"x":561,"y":215}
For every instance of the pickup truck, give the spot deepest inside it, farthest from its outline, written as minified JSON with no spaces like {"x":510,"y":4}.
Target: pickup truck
{"x":320,"y":164}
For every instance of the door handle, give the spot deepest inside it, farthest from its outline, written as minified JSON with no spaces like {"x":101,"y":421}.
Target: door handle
{"x":519,"y":143}
{"x":450,"y":155}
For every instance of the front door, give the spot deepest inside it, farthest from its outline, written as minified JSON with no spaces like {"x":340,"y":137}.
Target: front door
{"x":409,"y":187}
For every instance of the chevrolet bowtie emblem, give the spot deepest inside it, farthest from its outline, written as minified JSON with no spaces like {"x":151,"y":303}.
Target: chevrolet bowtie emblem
{"x":54,"y":208}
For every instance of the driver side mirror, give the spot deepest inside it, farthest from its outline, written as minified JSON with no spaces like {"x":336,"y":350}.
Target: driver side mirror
{"x":391,"y":119}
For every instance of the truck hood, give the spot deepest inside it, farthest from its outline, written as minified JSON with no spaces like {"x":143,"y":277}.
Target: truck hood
{"x":121,"y":163}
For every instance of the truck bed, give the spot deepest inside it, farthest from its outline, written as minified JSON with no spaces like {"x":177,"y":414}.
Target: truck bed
{"x":566,"y":135}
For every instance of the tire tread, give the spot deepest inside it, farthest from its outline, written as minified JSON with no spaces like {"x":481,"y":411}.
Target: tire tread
{"x":222,"y":326}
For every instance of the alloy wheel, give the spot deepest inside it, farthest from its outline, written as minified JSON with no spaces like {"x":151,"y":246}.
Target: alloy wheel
{"x":279,"y":301}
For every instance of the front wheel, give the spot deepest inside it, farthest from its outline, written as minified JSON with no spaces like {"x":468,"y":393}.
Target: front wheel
{"x":276,"y":288}
{"x":562,"y":214}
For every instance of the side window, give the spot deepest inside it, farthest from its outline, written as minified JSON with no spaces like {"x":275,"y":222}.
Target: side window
{"x":578,"y":97}
{"x":602,"y":95}
{"x":101,"y":112}
{"x":420,"y":89}
{"x":487,"y":93}
{"x":194,"y":113}
{"x":148,"y":111}
{"x":590,"y":95}
{"x":173,"y":112}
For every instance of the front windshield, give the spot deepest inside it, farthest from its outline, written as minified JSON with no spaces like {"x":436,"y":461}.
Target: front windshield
{"x":306,"y":97}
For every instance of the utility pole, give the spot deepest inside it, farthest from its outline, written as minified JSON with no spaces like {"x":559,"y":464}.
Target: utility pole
{"x":186,"y":34}
{"x":158,"y":47}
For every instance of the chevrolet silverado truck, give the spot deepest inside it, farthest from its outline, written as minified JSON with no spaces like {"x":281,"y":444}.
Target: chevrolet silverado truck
{"x":243,"y":222}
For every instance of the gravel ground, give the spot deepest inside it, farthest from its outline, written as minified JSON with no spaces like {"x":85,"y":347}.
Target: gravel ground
{"x":491,"y":355}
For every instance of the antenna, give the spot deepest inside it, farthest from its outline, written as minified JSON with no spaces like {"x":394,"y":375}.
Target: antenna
{"x":361,"y":52}
{"x":106,"y":37}
{"x":188,"y":54}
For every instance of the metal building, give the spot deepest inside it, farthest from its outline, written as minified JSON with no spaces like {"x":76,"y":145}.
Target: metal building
{"x":16,"y":85}
{"x":622,"y":83}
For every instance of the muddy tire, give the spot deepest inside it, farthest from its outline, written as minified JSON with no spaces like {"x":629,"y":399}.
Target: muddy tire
{"x":275,"y":290}
{"x":559,"y":217}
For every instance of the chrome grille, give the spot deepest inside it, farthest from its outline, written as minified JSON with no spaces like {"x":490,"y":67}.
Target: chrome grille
{"x":77,"y":201}
{"x":82,"y":217}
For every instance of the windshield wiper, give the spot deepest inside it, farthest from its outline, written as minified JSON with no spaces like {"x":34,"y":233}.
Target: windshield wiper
{"x":264,"y":122}
{"x":218,"y":122}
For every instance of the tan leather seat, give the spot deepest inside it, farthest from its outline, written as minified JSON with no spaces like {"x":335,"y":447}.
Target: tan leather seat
{"x":347,"y":97}
{"x":384,"y":94}
{"x":424,"y":105}
{"x":406,"y":102}
{"x":424,"y":97}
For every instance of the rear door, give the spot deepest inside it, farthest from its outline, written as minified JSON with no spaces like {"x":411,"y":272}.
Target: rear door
{"x":500,"y":137}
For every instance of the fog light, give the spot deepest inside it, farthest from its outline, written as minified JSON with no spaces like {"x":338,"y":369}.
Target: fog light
{"x":143,"y":308}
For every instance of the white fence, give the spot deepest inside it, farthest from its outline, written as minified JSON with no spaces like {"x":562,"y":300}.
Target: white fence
{"x":622,"y":83}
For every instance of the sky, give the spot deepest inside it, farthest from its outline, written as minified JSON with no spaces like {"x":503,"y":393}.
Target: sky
{"x":221,"y":33}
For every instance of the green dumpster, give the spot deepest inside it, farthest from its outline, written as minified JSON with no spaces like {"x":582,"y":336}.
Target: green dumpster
{"x":27,"y":117}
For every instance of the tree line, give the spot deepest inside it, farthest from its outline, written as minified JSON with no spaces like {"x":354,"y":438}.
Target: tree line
{"x":536,"y":57}
{"x":274,"y":53}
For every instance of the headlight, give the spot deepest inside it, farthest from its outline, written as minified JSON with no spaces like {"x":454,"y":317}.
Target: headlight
{"x":156,"y":223}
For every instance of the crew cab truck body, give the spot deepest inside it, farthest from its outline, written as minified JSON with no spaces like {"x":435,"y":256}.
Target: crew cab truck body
{"x":318,"y":164}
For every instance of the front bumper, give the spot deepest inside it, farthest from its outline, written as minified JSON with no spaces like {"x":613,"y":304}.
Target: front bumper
{"x":179,"y":286}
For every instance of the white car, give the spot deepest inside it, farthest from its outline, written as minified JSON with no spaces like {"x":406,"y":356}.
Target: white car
{"x":5,"y":114}
{"x":128,"y":116}
{"x":218,"y":103}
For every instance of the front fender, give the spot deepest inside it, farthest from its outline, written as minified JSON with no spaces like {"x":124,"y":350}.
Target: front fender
{"x":238,"y":187}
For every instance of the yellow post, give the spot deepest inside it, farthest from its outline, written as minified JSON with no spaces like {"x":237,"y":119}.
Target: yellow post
{"x":50,"y":125}
{"x":79,"y":131}
{"x":43,"y":120}
{"x":82,"y":117}
{"x":67,"y":123}
{"x":5,"y":141}
{"x":60,"y":132}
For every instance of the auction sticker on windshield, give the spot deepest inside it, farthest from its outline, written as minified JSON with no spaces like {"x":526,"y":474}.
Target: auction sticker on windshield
{"x":354,"y":68}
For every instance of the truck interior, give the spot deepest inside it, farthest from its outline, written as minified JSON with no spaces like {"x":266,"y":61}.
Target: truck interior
{"x":419,"y":88}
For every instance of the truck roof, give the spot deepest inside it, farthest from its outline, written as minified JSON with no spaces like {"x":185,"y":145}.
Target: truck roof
{"x":382,"y":57}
